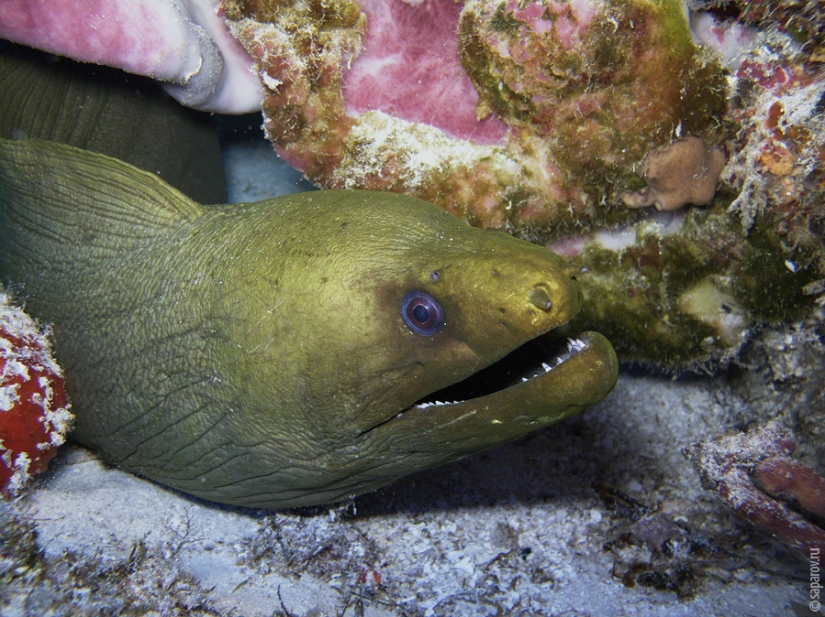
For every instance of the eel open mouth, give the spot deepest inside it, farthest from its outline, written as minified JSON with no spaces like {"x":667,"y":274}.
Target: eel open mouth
{"x":541,"y":382}
{"x":533,"y":359}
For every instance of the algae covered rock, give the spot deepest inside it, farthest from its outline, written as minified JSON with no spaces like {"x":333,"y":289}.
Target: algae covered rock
{"x":528,"y":116}
{"x":601,"y":83}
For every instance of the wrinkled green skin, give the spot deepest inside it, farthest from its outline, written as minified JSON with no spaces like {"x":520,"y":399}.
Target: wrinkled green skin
{"x":255,"y":354}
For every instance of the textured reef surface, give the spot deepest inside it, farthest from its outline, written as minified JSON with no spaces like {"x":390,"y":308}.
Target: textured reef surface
{"x":569,"y":123}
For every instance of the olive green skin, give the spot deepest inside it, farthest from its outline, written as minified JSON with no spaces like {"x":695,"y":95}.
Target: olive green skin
{"x":255,"y":354}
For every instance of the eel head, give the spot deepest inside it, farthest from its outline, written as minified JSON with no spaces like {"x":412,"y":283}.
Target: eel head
{"x":427,"y":340}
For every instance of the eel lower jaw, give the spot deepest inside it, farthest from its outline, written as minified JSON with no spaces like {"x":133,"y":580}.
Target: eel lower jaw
{"x":563,"y":381}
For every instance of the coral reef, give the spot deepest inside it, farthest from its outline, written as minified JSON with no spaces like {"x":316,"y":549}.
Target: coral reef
{"x":474,"y":121}
{"x":754,"y":475}
{"x":34,"y":413}
{"x":599,"y":84}
{"x":557,"y":122}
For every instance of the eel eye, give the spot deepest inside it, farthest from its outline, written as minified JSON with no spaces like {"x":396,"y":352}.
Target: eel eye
{"x":422,"y":313}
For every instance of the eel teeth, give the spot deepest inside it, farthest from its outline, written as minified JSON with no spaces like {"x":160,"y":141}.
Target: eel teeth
{"x":574,"y":346}
{"x":436,"y":404}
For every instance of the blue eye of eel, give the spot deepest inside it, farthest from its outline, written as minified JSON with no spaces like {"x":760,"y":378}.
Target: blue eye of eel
{"x":422,"y":313}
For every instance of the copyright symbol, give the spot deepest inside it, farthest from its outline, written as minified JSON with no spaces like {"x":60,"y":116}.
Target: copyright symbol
{"x":815,"y":606}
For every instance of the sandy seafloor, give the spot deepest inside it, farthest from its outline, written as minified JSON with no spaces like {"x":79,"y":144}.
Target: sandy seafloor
{"x":527,"y":529}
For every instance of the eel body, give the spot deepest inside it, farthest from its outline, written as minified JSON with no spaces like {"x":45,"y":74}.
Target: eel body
{"x":285,"y":352}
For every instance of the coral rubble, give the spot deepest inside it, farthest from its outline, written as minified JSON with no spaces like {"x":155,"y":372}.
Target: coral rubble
{"x":753,"y":474}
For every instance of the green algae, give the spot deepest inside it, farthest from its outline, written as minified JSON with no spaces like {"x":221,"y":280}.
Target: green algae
{"x":328,"y":14}
{"x":503,"y":21}
{"x":772,"y":276}
{"x":639,"y":296}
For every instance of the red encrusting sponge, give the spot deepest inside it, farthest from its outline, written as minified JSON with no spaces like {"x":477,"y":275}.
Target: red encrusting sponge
{"x":34,"y":412}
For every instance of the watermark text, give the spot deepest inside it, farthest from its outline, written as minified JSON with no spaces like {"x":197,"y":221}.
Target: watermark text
{"x":816,"y":582}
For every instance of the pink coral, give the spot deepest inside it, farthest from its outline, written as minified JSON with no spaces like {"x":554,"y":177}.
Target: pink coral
{"x":183,"y":43}
{"x":428,"y":83}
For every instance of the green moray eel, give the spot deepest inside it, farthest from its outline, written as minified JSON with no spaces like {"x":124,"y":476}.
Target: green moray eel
{"x":281,"y":353}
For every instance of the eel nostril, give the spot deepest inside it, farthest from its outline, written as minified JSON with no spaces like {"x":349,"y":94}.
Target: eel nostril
{"x":539,"y":298}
